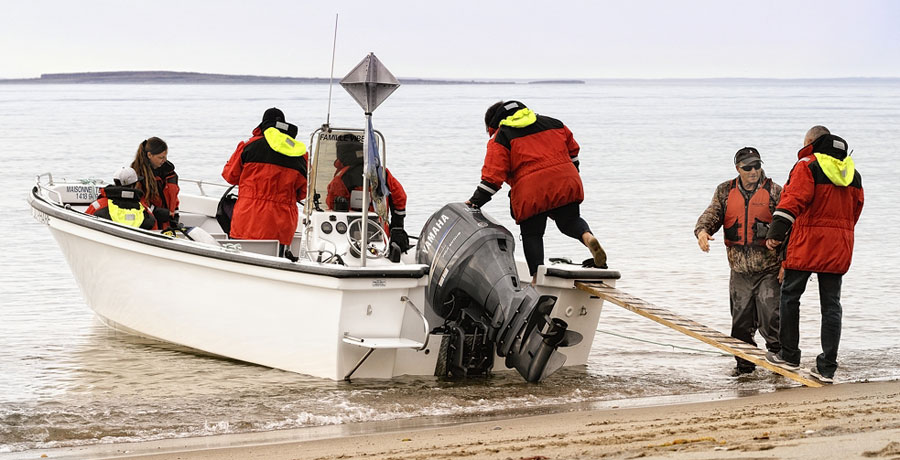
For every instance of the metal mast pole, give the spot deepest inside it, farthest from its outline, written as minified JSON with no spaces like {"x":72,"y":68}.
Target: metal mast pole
{"x":364,"y":225}
{"x":370,"y":83}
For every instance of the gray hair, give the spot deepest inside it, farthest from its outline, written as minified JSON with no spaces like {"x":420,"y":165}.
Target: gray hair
{"x":814,"y":133}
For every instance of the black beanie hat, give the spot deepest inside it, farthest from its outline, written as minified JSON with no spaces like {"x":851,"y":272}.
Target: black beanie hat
{"x":349,"y":153}
{"x":270,"y":117}
{"x":506,"y":109}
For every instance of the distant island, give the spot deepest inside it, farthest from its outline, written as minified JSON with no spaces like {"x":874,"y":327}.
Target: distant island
{"x":182,"y":78}
{"x":557,"y":82}
{"x":167,"y":77}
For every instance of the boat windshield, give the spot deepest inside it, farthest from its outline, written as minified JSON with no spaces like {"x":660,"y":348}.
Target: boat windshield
{"x":336,"y":171}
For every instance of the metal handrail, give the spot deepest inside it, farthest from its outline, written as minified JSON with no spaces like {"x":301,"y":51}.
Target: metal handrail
{"x":46,"y":188}
{"x":201,"y":183}
{"x":424,"y":321}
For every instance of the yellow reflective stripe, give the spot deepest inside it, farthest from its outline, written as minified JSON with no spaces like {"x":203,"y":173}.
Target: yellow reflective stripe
{"x":520,"y":119}
{"x":284,"y":144}
{"x":839,"y":172}
{"x":132,"y":217}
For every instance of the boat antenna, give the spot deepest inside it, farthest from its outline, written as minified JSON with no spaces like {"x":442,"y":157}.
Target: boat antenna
{"x":331,"y":77}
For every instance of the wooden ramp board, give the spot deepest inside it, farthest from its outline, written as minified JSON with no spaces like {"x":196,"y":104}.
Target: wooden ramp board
{"x":685,"y":326}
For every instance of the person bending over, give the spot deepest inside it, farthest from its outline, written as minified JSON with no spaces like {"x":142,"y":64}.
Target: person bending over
{"x":538,"y":157}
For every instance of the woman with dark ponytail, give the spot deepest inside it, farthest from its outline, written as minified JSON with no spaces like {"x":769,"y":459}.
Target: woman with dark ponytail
{"x":158,"y":180}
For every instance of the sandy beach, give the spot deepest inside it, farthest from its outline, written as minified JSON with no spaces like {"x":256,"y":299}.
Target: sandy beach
{"x":855,"y":420}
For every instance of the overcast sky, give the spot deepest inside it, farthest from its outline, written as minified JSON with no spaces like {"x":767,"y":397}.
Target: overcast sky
{"x":456,"y":38}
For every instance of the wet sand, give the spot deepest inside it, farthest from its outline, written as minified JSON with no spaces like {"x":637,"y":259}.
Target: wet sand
{"x":858,"y":420}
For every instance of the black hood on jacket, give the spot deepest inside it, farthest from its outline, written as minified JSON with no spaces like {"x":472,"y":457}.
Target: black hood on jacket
{"x":124,"y":197}
{"x":831,"y":145}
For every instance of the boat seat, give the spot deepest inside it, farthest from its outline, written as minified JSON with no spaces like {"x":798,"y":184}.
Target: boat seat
{"x":190,"y":219}
{"x":264,"y":247}
{"x":203,"y":205}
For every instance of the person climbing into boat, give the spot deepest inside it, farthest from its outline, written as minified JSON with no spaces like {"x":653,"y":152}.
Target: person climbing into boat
{"x":538,"y":157}
{"x":816,"y":219}
{"x":270,"y":169}
{"x":743,"y":206}
{"x":159,"y":182}
{"x":348,"y":177}
{"x":121,"y":202}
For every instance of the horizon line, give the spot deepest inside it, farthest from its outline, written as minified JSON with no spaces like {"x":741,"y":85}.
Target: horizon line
{"x":111,"y":73}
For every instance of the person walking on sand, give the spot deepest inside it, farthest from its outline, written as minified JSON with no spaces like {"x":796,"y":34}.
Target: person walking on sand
{"x":538,"y":157}
{"x":815,"y":219}
{"x":743,"y":206}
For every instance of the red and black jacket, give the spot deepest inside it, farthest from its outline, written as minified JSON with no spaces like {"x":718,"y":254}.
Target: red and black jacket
{"x":271,"y":183}
{"x":819,"y":214}
{"x":167,"y":186}
{"x":538,"y":161}
{"x":349,"y":178}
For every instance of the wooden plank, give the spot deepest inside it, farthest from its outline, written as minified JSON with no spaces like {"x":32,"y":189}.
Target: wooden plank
{"x":689,"y":327}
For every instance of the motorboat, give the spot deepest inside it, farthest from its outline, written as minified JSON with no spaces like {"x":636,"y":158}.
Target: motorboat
{"x":457,"y":304}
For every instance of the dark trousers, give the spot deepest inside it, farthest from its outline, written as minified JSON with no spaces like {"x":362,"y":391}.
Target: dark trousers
{"x":830,"y":296}
{"x":755,"y":302}
{"x":568,"y":221}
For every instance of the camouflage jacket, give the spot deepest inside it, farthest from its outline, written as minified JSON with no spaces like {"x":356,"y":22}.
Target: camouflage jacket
{"x":742,"y":259}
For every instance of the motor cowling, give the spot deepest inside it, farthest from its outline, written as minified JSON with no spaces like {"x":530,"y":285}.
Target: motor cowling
{"x":474,"y":286}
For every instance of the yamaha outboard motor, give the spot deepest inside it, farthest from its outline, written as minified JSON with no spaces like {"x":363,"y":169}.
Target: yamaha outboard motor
{"x":475,"y":288}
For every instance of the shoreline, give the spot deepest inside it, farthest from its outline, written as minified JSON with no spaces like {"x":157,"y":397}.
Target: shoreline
{"x":851,"y":420}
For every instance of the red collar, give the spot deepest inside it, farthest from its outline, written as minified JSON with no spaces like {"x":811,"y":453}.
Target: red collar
{"x":805,"y":151}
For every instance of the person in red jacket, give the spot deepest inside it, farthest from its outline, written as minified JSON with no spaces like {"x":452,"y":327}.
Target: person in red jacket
{"x":820,"y":205}
{"x":159,"y":182}
{"x":538,"y":157}
{"x":270,"y":170}
{"x":348,"y":177}
{"x":121,"y":202}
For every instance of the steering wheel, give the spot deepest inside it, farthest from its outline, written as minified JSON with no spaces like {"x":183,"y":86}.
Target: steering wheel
{"x":376,"y":245}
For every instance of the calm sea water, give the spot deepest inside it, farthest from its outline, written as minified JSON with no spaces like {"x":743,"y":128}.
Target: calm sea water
{"x":652,"y":154}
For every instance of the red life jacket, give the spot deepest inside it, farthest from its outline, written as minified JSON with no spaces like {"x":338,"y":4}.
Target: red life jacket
{"x":743,"y":215}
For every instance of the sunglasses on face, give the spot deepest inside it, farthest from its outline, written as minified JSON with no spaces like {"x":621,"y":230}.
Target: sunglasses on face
{"x":751,"y":167}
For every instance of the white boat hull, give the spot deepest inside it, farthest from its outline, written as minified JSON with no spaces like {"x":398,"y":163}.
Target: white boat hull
{"x":301,"y":317}
{"x":260,"y":315}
